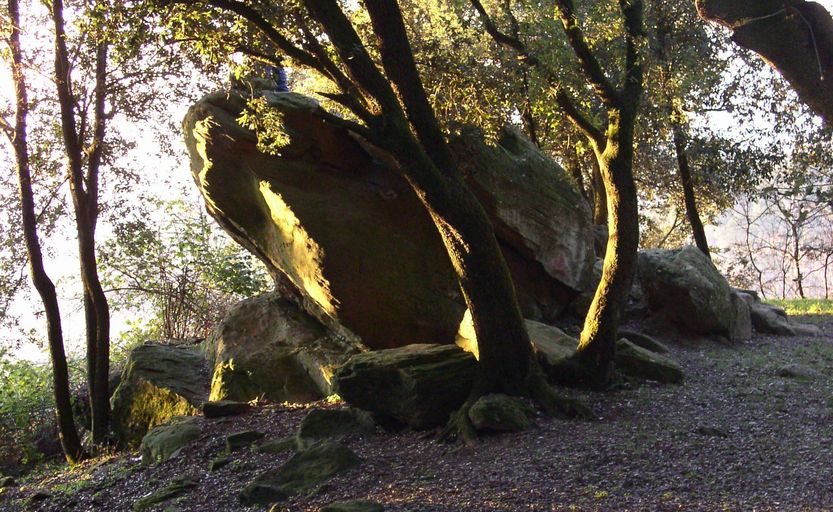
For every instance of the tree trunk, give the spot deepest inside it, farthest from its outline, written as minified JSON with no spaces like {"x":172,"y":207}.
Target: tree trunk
{"x":70,"y":442}
{"x":796,"y":256}
{"x":84,"y":191}
{"x":598,"y":337}
{"x":691,"y":211}
{"x":503,"y":343}
{"x":795,"y":38}
{"x":599,"y":195}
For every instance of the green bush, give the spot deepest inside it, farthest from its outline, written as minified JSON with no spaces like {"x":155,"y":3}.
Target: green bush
{"x":27,"y":414}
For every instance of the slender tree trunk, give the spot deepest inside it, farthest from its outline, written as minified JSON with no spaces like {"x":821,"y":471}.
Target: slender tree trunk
{"x":598,"y":337}
{"x":826,"y":268}
{"x":796,"y":255}
{"x":70,"y":442}
{"x":692,"y":213}
{"x":84,"y":191}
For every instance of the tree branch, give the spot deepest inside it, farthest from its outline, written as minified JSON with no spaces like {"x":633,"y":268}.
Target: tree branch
{"x":589,"y":64}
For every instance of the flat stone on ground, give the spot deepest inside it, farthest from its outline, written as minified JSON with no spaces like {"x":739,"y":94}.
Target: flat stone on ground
{"x":353,"y":506}
{"x":219,"y":408}
{"x":305,"y":469}
{"x":239,"y":440}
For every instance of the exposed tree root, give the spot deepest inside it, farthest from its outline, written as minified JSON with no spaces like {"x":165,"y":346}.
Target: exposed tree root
{"x":555,"y":404}
{"x":460,"y":427}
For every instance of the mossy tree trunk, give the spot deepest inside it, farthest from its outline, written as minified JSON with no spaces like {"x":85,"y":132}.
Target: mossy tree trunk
{"x":70,"y":442}
{"x":427,"y":163}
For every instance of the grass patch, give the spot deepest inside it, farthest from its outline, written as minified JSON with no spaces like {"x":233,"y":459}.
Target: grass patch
{"x":805,"y":306}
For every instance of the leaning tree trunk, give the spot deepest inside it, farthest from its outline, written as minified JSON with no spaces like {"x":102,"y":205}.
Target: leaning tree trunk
{"x":691,"y":211}
{"x":598,"y":337}
{"x":70,"y":442}
{"x":795,"y":37}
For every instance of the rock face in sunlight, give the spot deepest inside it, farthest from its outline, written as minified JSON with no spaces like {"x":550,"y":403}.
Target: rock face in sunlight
{"x":158,"y":383}
{"x":268,"y":346}
{"x":342,"y":231}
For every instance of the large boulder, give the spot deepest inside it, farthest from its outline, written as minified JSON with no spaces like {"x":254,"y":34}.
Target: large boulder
{"x":684,"y":286}
{"x":334,"y":221}
{"x":268,"y":346}
{"x":158,"y":383}
{"x":540,"y":219}
{"x":418,"y":385}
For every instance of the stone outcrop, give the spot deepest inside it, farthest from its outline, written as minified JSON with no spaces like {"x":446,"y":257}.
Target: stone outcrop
{"x":268,"y":346}
{"x":335,"y":222}
{"x":417,"y":385}
{"x":158,"y":383}
{"x":683,"y":286}
{"x":769,"y":319}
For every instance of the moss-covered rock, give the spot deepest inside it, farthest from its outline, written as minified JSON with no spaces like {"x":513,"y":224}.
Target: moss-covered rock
{"x":321,"y":424}
{"x":551,"y":345}
{"x":418,"y":385}
{"x":500,"y":413}
{"x":279,"y":445}
{"x":165,"y":441}
{"x":220,"y":408}
{"x":353,"y":506}
{"x":640,"y":363}
{"x":268,"y":346}
{"x":685,"y":287}
{"x":305,"y":469}
{"x":244,"y":439}
{"x":158,"y":383}
{"x":176,"y":488}
{"x":218,"y":463}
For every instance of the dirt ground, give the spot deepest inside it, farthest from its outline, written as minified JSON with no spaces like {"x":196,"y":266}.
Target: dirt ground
{"x":734,"y":436}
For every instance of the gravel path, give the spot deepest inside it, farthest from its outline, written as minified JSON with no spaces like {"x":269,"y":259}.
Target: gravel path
{"x":734,"y":436}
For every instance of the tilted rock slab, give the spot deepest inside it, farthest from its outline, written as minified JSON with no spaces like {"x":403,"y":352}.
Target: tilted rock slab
{"x":333,"y":219}
{"x":268,"y":346}
{"x":158,"y":383}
